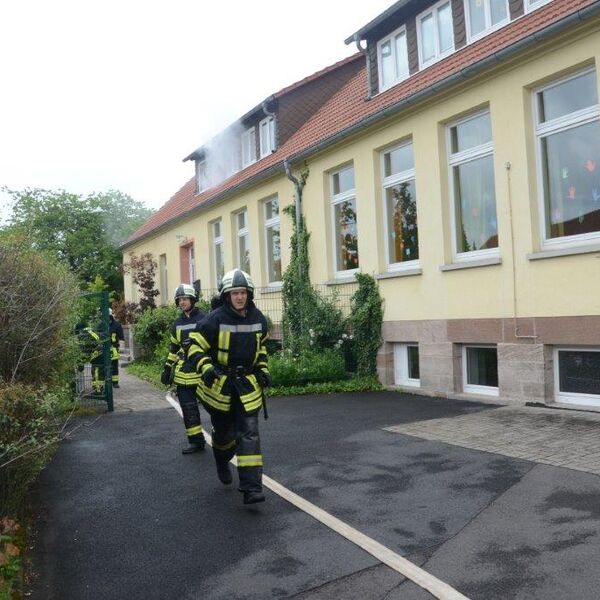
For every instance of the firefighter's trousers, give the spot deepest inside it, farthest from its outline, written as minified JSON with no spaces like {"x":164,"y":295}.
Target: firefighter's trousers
{"x":236,"y":432}
{"x":115,"y":370}
{"x":191,"y":413}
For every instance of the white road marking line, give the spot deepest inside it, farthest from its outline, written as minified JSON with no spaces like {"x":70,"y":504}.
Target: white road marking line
{"x":422,"y":578}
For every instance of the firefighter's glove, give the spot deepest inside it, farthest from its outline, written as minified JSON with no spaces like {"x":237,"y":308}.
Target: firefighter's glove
{"x":210,"y":376}
{"x":165,"y":377}
{"x":263,"y":378}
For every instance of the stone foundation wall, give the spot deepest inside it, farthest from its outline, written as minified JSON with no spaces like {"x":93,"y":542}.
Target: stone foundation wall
{"x":525,"y":352}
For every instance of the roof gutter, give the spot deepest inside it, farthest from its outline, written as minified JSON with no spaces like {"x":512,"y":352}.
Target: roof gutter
{"x":579,"y":16}
{"x":532,"y":39}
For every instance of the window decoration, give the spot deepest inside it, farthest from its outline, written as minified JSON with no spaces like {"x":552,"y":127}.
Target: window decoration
{"x":344,"y":220}
{"x":472,"y":186}
{"x":568,"y":133}
{"x":400,"y":212}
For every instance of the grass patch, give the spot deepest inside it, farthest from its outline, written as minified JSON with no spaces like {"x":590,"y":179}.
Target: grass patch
{"x":147,"y":371}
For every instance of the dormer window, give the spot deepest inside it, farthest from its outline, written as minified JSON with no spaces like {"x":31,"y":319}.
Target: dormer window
{"x":533,"y":4}
{"x":435,"y":33}
{"x":267,"y":136}
{"x":248,"y":147}
{"x":484,"y":16}
{"x":201,"y":175}
{"x":392,"y":56}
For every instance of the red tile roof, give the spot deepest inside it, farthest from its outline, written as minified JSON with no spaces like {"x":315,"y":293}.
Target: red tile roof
{"x":348,"y":108}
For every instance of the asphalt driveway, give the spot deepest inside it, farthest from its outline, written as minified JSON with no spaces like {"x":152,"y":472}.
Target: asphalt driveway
{"x":122,"y":514}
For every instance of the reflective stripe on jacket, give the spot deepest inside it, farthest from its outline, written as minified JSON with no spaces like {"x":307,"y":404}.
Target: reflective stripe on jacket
{"x":182,"y":327}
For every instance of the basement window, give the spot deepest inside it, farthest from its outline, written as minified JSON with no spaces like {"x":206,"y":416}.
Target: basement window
{"x":406,"y":365}
{"x":480,"y":370}
{"x":577,"y":376}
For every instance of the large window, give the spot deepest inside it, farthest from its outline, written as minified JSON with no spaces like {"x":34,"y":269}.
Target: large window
{"x":577,"y":375}
{"x":267,"y":136}
{"x":273,"y":240}
{"x":533,"y":4}
{"x":471,"y":162}
{"x":406,"y":365}
{"x":345,"y":234}
{"x":218,"y":258}
{"x":400,"y":197}
{"x":435,"y":33}
{"x":243,"y":244}
{"x":164,"y":283}
{"x":568,"y":133}
{"x":484,"y":16}
{"x":248,"y":147}
{"x":392,"y":59}
{"x":480,"y":370}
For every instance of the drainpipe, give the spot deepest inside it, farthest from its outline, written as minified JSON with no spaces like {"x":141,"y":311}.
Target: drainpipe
{"x":297,"y":202}
{"x":507,"y":166}
{"x":365,"y":53}
{"x":271,"y":114}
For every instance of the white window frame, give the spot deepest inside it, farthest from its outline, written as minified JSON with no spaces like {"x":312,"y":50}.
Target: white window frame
{"x":489,"y":28}
{"x":267,"y":141}
{"x":438,"y":54}
{"x":192,"y":262}
{"x":454,"y":160}
{"x":248,"y":147}
{"x":164,"y":280}
{"x":401,"y":365}
{"x":335,"y":200}
{"x":531,"y":5}
{"x":572,"y":397}
{"x":242,"y":232}
{"x":391,"y":181}
{"x":560,"y":124}
{"x":269,"y":224}
{"x":201,"y":175}
{"x":217,"y":247}
{"x":469,"y":388}
{"x":398,"y":77}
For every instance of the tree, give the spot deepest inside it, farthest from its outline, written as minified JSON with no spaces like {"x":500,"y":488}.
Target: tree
{"x":143,"y":274}
{"x":84,"y":233}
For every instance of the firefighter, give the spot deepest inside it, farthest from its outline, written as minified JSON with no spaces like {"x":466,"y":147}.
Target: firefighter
{"x":228,"y":350}
{"x":116,"y":336}
{"x":91,"y":346}
{"x":177,"y":370}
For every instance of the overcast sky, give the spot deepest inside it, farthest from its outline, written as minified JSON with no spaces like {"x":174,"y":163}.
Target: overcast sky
{"x":114,"y":94}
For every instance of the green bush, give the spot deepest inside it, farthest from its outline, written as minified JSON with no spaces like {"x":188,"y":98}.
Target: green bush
{"x":151,"y":328}
{"x":366,"y":317}
{"x":311,"y":366}
{"x":37,"y":315}
{"x":31,"y":420}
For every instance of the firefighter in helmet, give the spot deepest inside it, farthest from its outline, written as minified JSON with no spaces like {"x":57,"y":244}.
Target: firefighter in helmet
{"x":177,"y":370}
{"x":228,"y":350}
{"x":116,"y":336}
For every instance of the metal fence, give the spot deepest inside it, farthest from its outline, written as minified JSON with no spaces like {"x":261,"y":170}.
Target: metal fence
{"x":269,"y":300}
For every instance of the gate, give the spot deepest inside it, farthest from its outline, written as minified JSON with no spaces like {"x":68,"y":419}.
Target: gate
{"x":93,"y":378}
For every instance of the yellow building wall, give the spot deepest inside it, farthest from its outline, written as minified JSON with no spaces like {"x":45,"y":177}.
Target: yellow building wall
{"x":561,"y":286}
{"x":198,"y":228}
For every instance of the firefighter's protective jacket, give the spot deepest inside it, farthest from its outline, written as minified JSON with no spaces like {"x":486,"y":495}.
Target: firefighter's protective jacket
{"x":180,"y":332}
{"x":235,"y":346}
{"x":116,"y":334}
